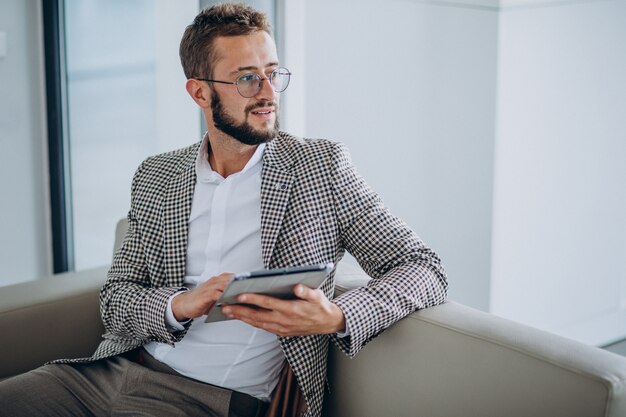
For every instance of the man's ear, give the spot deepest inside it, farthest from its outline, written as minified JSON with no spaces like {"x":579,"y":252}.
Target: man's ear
{"x":198,"y":92}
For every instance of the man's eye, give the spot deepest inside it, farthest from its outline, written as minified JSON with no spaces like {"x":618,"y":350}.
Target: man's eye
{"x":248,"y":77}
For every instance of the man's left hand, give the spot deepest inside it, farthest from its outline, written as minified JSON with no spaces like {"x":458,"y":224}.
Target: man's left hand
{"x":312,"y":313}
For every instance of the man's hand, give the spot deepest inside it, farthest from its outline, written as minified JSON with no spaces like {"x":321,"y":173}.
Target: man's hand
{"x":200,"y":300}
{"x":311,"y":314}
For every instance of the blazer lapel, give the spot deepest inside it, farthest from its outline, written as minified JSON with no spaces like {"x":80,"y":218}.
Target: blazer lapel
{"x":276,"y":181}
{"x":176,"y":211}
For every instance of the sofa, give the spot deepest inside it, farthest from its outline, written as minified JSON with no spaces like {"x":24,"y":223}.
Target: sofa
{"x":446,"y":361}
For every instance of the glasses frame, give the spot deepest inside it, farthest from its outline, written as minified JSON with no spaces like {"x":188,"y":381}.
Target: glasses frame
{"x":259,"y":79}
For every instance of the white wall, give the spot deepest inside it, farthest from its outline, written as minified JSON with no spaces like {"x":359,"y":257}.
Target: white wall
{"x":409,"y":87}
{"x":559,"y":231}
{"x":24,"y":219}
{"x":496,"y":130}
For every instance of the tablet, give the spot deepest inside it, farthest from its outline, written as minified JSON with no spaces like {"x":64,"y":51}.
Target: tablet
{"x":277,"y":283}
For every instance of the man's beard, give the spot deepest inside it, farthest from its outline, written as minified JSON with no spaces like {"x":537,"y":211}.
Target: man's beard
{"x":243,"y":132}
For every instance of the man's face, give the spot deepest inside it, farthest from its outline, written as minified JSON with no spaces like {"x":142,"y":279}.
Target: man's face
{"x":251,"y":120}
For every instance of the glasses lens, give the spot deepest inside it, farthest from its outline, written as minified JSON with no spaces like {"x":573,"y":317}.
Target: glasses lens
{"x":249,"y":85}
{"x":280,"y":79}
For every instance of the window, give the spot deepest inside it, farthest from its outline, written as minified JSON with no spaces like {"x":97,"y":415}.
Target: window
{"x":124,"y":100}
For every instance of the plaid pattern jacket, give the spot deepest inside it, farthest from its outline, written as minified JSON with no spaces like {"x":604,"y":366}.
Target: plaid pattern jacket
{"x":314,"y":206}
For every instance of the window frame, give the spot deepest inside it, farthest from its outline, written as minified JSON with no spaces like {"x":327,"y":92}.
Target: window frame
{"x":58,"y":143}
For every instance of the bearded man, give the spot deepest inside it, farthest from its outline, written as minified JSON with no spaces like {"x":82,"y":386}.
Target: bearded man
{"x":246,"y":197}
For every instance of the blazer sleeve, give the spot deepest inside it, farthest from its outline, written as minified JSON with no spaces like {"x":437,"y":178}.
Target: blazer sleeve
{"x":130,"y":306}
{"x":406,"y":275}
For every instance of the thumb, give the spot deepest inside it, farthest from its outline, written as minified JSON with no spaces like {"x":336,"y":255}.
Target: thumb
{"x":306,"y":293}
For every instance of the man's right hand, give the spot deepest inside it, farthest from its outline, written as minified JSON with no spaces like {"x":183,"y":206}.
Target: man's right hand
{"x":200,"y":300}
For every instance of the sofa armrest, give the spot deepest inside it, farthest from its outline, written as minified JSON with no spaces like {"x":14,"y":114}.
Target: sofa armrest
{"x":51,"y":318}
{"x":454,"y":361}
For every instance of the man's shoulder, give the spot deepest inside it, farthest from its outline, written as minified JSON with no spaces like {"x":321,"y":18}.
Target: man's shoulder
{"x":169,"y":163}
{"x":287,"y":140}
{"x":294,"y":150}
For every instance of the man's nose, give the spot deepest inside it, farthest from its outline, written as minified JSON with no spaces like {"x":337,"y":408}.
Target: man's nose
{"x":267,"y":89}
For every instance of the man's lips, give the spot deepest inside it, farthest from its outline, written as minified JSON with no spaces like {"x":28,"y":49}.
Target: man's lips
{"x":263,"y":111}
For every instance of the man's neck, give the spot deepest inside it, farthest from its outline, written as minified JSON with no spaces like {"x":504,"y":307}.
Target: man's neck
{"x":227,"y":155}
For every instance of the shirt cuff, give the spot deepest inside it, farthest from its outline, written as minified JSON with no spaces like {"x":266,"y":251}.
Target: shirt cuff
{"x":172,"y":324}
{"x":345,"y":333}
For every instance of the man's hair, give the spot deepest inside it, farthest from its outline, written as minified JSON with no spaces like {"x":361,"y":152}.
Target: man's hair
{"x":197,"y":49}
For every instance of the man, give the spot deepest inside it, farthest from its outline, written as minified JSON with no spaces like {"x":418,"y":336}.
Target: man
{"x":246,"y":197}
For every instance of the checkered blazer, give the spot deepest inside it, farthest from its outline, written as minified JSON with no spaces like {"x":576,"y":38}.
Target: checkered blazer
{"x":314,"y":206}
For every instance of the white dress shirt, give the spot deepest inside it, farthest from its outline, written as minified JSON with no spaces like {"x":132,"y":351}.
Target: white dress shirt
{"x":224,"y":236}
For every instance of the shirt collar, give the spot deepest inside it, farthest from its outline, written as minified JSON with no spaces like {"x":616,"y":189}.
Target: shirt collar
{"x":205,"y":173}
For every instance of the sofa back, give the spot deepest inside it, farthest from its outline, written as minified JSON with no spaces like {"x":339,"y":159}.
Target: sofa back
{"x":50,"y":318}
{"x":454,"y":361}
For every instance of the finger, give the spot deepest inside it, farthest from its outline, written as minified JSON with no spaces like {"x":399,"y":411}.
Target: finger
{"x":252,"y":316}
{"x":265,"y":321}
{"x":217,"y":283}
{"x":221,"y":286}
{"x":213,"y":283}
{"x":308,"y":294}
{"x":221,"y":279}
{"x":215,"y":295}
{"x":264,"y":301}
{"x":240,"y":312}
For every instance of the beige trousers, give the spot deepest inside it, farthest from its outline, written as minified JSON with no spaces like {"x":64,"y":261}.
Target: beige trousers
{"x":131,"y":385}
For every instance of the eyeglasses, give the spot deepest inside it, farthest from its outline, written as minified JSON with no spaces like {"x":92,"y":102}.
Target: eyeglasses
{"x":249,"y":85}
